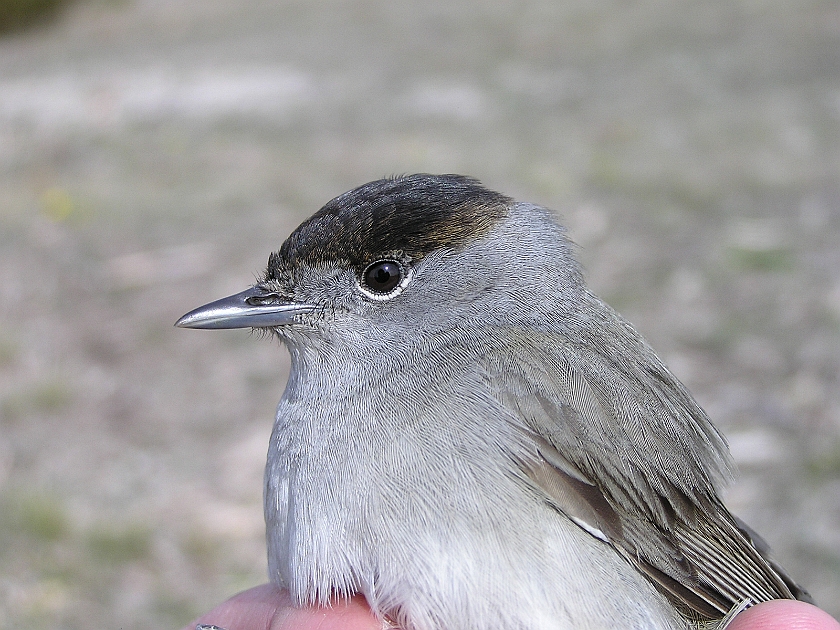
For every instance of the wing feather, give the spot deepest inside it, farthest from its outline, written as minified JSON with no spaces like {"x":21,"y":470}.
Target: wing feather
{"x":624,"y":451}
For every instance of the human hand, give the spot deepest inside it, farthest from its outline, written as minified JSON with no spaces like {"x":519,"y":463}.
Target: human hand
{"x":784,"y":614}
{"x":267,"y":607}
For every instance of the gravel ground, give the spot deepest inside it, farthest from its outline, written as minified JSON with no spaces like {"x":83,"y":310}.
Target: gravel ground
{"x":152,"y":154}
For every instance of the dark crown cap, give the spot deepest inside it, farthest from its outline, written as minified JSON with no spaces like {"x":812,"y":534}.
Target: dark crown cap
{"x":410,"y":215}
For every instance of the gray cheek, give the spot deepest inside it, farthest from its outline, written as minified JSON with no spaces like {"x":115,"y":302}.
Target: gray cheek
{"x":335,"y":288}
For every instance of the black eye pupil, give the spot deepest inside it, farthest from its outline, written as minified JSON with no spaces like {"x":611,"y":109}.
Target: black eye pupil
{"x":383,"y":276}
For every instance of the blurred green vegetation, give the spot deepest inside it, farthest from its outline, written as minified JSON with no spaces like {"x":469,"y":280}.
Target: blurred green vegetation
{"x":19,"y":14}
{"x":115,"y":544}
{"x":38,"y":516}
{"x":770,"y":259}
{"x":64,"y":567}
{"x":824,"y":465}
{"x":50,"y":396}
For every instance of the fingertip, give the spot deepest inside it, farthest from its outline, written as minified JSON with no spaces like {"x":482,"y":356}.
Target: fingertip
{"x":784,"y":614}
{"x":253,"y":609}
{"x":352,"y":614}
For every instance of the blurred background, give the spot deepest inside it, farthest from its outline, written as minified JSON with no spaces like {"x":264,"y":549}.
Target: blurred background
{"x":153,"y":153}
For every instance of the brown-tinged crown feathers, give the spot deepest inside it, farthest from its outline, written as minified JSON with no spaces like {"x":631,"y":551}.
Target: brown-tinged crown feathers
{"x":410,"y":215}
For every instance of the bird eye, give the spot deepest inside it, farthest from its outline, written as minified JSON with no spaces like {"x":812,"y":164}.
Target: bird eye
{"x":383,"y":276}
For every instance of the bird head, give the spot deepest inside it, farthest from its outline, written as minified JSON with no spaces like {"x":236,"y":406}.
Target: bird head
{"x":403,"y":256}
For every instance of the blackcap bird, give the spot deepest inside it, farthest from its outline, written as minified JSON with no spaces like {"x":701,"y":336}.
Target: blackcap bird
{"x":472,"y":439}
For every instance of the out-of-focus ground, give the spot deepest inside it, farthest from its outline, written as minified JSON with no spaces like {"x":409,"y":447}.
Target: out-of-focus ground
{"x":153,"y":153}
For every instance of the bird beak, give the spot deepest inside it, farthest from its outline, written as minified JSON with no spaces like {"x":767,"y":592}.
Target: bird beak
{"x":253,"y":308}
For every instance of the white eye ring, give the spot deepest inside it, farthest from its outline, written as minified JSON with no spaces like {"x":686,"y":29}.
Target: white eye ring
{"x":391,"y":276}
